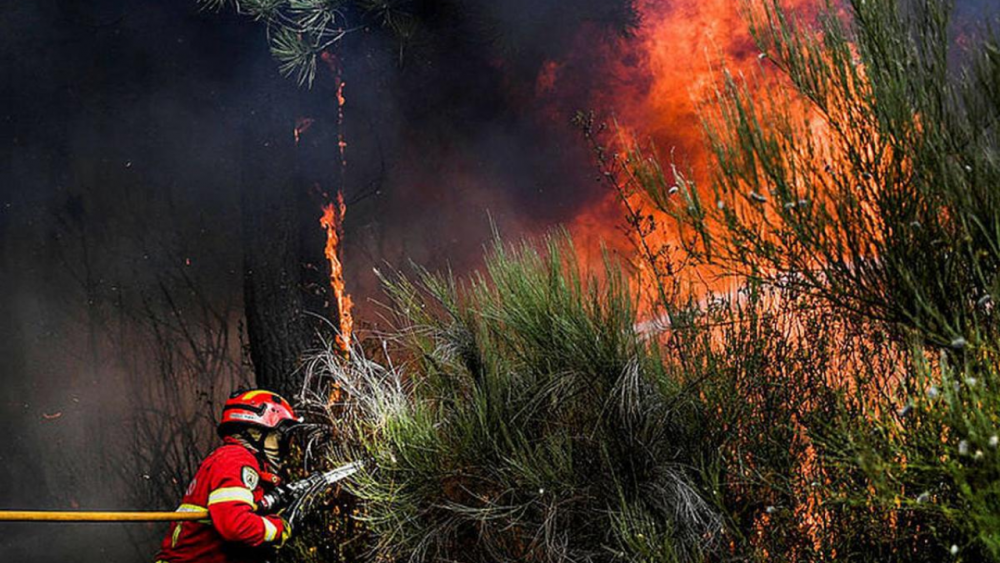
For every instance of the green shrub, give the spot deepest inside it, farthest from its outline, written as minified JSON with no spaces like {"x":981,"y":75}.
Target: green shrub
{"x":529,"y":422}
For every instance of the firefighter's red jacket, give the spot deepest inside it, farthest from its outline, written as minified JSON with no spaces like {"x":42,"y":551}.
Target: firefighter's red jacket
{"x":229,"y":485}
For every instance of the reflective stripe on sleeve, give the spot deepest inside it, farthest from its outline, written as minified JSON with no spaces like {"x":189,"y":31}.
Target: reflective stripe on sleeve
{"x":270,"y":530}
{"x":176,"y":535}
{"x":231,"y":494}
{"x":193,"y":508}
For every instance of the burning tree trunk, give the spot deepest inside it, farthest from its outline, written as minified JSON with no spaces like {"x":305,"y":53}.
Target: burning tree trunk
{"x":275,"y":274}
{"x":288,"y":288}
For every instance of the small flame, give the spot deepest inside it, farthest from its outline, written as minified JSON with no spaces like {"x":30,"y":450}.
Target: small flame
{"x":302,"y":125}
{"x":341,"y":143}
{"x":332,"y":221}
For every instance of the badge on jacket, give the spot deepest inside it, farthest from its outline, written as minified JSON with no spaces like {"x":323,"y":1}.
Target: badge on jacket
{"x":250,"y":478}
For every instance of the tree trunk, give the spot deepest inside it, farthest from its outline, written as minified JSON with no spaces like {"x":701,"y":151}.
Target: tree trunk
{"x":285,"y":271}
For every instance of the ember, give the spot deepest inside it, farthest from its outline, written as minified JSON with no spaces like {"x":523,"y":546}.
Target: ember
{"x":302,"y":125}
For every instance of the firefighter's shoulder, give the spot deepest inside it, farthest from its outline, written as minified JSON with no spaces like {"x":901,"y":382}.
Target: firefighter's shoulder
{"x":230,"y":463}
{"x":234,"y":456}
{"x":233,"y":474}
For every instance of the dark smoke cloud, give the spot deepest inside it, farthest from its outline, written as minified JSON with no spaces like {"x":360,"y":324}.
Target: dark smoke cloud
{"x":457,"y":133}
{"x":118,"y":156}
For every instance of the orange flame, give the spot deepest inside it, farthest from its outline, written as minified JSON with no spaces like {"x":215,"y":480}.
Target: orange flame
{"x":664,"y":73}
{"x":332,"y":221}
{"x":663,"y":77}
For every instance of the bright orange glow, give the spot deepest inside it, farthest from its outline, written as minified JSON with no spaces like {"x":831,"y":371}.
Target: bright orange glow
{"x":664,"y":73}
{"x":671,"y":67}
{"x":332,"y":221}
{"x":681,"y":47}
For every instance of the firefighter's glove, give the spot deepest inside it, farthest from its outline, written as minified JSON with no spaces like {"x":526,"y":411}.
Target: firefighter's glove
{"x":286,"y":533}
{"x":277,"y":530}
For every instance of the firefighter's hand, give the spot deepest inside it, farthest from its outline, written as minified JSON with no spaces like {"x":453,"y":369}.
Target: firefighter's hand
{"x":286,"y":532}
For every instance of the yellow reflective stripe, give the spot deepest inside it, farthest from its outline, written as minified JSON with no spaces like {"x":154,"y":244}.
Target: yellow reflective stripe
{"x":251,"y":394}
{"x":231,"y":494}
{"x":192,"y":508}
{"x":270,"y":530}
{"x":176,"y":535}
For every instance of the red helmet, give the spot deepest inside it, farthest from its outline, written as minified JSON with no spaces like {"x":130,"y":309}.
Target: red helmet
{"x":259,"y":408}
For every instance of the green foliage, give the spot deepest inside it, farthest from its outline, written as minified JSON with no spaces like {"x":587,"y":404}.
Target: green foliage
{"x":532,"y":423}
{"x":760,"y":370}
{"x":300,"y":30}
{"x":933,"y":462}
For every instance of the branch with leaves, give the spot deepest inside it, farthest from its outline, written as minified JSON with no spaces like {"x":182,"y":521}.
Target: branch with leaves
{"x":299,"y":31}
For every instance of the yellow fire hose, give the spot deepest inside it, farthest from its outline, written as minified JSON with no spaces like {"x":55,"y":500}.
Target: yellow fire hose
{"x":312,"y":483}
{"x":97,"y":516}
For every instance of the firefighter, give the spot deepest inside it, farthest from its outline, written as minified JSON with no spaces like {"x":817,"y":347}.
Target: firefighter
{"x":230,"y":482}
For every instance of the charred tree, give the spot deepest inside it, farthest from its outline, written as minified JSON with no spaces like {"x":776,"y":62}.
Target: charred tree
{"x":277,"y":328}
{"x":284,"y":179}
